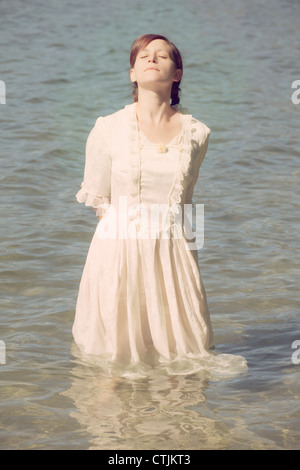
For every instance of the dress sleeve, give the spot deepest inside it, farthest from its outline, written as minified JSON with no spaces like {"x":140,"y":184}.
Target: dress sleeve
{"x":200,"y":152}
{"x":96,"y":185}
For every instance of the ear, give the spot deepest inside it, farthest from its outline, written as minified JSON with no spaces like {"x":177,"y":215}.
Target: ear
{"x":132,"y":75}
{"x":177,"y":76}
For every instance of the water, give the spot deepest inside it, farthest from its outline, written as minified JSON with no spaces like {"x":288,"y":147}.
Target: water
{"x":65,"y":63}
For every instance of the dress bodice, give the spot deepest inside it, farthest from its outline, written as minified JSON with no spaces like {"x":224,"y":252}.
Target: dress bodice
{"x":122,"y":162}
{"x":158,"y":169}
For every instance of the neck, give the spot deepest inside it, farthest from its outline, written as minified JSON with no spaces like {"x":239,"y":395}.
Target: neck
{"x":153,"y":108}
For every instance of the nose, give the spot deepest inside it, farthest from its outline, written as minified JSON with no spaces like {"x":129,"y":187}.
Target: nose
{"x":152,"y":58}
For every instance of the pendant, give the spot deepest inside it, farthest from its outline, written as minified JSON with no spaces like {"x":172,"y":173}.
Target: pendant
{"x":161,"y":148}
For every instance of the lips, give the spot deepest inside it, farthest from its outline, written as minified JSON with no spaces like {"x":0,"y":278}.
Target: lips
{"x":152,"y":68}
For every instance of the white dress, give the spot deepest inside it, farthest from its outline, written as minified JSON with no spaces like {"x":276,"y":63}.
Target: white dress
{"x":141,"y":290}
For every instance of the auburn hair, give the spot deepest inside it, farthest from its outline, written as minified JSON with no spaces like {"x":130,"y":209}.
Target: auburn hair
{"x":141,"y":43}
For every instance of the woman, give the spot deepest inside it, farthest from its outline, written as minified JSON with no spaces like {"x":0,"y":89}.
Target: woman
{"x":141,"y":289}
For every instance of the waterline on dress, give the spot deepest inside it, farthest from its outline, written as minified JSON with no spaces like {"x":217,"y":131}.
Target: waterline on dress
{"x":214,"y":365}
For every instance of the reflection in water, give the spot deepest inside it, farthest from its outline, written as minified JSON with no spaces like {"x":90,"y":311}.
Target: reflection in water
{"x":153,"y":411}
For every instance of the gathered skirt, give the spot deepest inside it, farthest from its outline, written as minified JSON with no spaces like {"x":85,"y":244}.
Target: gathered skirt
{"x":138,"y":295}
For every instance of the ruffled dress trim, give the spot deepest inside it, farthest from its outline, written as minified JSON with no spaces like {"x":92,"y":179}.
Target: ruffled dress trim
{"x":134,"y":156}
{"x":183,"y":163}
{"x":101,"y":203}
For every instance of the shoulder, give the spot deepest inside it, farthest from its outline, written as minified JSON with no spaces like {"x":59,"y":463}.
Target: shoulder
{"x":114,"y":118}
{"x":200,"y":127}
{"x":200,"y":131}
{"x":105,"y":124}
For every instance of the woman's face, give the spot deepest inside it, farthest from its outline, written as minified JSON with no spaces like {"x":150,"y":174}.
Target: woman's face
{"x":154,"y":65}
